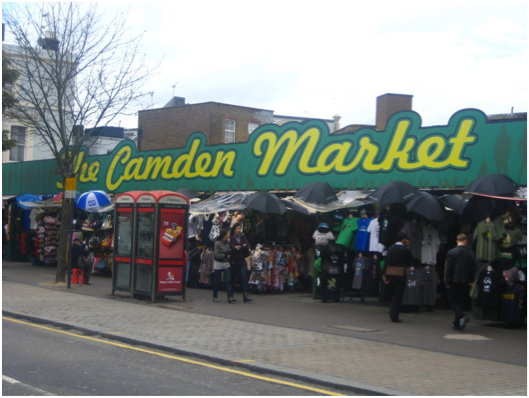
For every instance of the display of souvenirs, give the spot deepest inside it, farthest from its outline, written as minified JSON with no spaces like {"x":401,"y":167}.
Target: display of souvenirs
{"x":100,"y":239}
{"x":48,"y":239}
{"x":274,"y":268}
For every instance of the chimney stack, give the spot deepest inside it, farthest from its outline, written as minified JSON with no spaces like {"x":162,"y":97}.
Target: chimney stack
{"x":336,"y":122}
{"x":389,"y":104}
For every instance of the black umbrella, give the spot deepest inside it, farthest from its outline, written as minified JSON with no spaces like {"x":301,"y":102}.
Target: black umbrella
{"x":427,"y":206}
{"x":294,"y":206}
{"x":188,"y":193}
{"x":481,"y":207}
{"x":455,"y":202}
{"x":493,"y":184}
{"x":394,"y":192}
{"x":265,"y":202}
{"x":316,"y":192}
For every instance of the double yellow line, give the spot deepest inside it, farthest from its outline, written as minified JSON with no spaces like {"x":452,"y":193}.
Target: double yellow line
{"x":169,"y":356}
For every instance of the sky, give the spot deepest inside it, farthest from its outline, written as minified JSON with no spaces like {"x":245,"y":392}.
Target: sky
{"x":316,"y":59}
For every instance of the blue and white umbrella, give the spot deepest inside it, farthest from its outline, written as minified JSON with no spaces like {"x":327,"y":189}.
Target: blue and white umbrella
{"x":93,"y":201}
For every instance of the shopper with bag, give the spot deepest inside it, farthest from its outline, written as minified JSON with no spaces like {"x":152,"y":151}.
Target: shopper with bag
{"x":398,"y":260}
{"x":240,"y":249}
{"x":221,"y":265}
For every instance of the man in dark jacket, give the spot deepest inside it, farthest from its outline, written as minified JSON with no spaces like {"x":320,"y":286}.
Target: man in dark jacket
{"x":459,"y":273}
{"x":79,"y":250}
{"x":399,"y":256}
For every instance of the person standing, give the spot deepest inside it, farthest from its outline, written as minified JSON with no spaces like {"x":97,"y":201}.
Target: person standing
{"x":78,"y":251}
{"x":240,"y":249}
{"x":459,"y":272}
{"x":398,"y":256}
{"x":221,"y":265}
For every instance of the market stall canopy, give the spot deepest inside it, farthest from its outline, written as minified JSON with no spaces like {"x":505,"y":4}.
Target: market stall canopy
{"x":267,"y":203}
{"x":24,"y":201}
{"x":344,"y":199}
{"x":58,"y":197}
{"x":40,"y":204}
{"x":94,"y":201}
{"x":427,"y":206}
{"x":316,"y":192}
{"x":220,"y":203}
{"x":521,"y":194}
{"x":190,"y":194}
{"x":394,"y":192}
{"x":493,"y":185}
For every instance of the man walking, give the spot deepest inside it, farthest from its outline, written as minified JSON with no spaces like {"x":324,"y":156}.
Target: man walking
{"x":459,"y":274}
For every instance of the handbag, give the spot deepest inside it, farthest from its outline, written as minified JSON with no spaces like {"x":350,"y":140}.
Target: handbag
{"x":108,"y":223}
{"x":395,"y":273}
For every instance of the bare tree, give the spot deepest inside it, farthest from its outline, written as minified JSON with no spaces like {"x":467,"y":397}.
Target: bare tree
{"x":77,"y":69}
{"x":9,"y":77}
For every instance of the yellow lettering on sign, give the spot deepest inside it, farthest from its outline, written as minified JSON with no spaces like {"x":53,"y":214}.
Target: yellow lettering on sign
{"x":289,"y":144}
{"x":139,"y":167}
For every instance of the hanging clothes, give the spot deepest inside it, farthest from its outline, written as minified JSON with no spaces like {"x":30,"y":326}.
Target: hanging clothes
{"x":415,"y":235}
{"x":512,"y":311}
{"x":362,"y":235}
{"x":374,"y":234}
{"x":347,"y":232}
{"x":207,"y":258}
{"x":359,"y":264}
{"x":430,"y":280}
{"x":490,"y":285}
{"x":430,"y":244}
{"x":413,"y":289}
{"x":485,"y":237}
{"x":371,"y":275}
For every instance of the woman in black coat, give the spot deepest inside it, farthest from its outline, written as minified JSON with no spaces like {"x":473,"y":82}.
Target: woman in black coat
{"x":240,"y":249}
{"x":398,"y":256}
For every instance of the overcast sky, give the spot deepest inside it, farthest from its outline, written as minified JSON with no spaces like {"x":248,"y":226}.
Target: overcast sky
{"x":320,"y":58}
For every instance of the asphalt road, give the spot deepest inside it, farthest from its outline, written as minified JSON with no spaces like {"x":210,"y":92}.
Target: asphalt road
{"x":43,"y":360}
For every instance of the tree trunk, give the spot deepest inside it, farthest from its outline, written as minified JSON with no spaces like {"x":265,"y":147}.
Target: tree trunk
{"x":62,"y":253}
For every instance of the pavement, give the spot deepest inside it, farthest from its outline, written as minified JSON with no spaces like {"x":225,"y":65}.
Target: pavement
{"x":352,"y":347}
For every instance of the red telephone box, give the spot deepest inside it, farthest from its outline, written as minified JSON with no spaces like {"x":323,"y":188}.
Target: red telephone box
{"x":158,"y":250}
{"x":124,"y":222}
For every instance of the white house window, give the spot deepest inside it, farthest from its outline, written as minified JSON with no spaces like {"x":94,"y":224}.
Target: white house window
{"x":229,"y":131}
{"x":18,"y":133}
{"x":251,"y":127}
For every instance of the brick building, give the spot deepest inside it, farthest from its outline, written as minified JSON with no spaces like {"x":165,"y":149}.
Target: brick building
{"x":170,"y":126}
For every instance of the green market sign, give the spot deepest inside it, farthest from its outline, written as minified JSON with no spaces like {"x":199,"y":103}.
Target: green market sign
{"x":290,"y":156}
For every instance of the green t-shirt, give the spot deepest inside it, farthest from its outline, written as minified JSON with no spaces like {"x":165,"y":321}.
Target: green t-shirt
{"x":347,"y":233}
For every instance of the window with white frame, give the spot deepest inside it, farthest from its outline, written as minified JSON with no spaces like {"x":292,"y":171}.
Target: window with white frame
{"x":229,"y":131}
{"x":251,"y":127}
{"x":18,"y":133}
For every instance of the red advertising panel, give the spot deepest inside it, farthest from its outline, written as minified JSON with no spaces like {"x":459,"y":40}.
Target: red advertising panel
{"x":170,"y":279}
{"x":172,"y":233}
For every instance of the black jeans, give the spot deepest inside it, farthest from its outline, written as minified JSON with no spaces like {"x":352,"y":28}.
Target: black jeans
{"x":457,"y":294}
{"x":227,"y":278}
{"x":396,"y":292}
{"x":240,"y":271}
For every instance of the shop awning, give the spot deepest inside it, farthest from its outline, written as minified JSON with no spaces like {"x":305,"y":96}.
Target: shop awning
{"x":42,"y":204}
{"x":221,"y":203}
